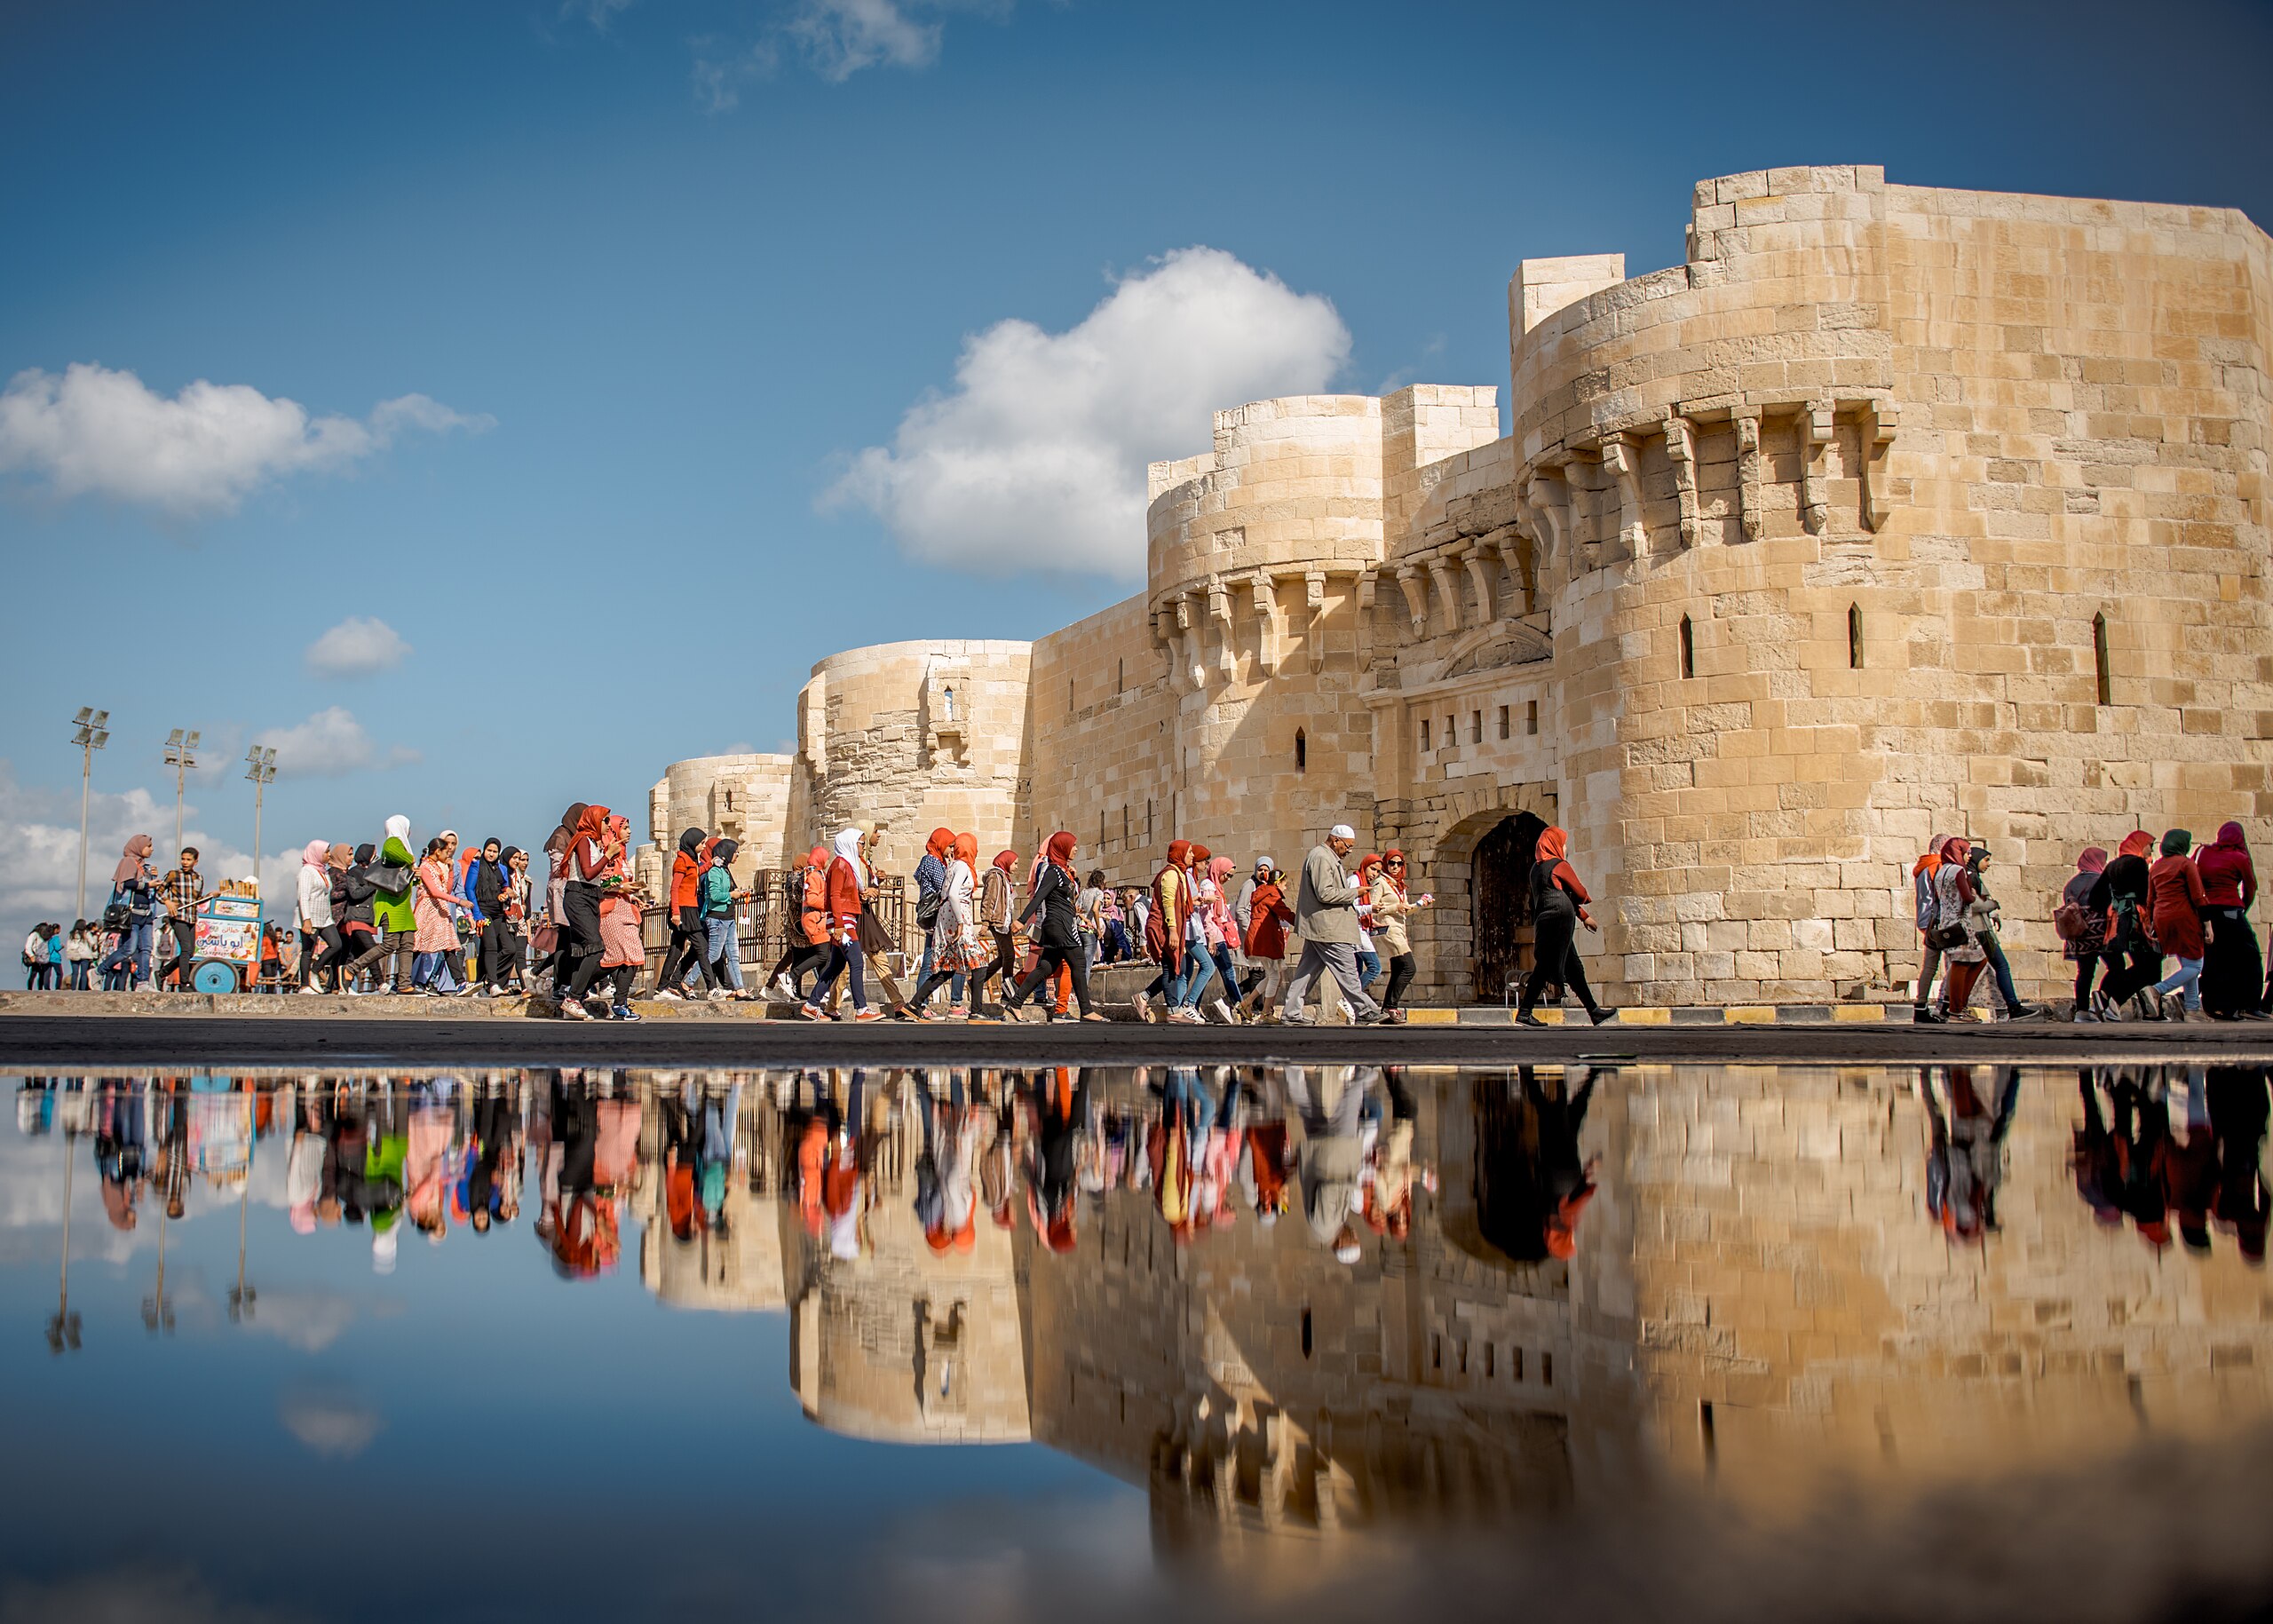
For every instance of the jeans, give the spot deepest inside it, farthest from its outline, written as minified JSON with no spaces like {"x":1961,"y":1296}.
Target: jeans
{"x":79,"y":968}
{"x":132,"y":955}
{"x":1369,"y":966}
{"x":432,"y":968}
{"x":722,"y":948}
{"x":2002,"y":970}
{"x":1199,"y":971}
{"x":842,"y":956}
{"x":2187,"y":976}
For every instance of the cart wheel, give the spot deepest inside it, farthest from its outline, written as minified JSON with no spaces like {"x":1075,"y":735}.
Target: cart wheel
{"x":215,"y":975}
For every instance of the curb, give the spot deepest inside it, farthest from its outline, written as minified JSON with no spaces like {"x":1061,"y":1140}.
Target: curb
{"x":1660,"y":1015}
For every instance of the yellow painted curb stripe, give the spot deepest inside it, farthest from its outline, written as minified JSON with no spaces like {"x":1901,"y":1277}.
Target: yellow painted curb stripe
{"x":1749,"y":1015}
{"x":1645,"y":1016}
{"x":1859,"y":1012}
{"x":1431,"y":1018}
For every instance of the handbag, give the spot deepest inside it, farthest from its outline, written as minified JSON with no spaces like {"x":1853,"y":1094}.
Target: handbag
{"x":1945,"y":937}
{"x":870,"y":929}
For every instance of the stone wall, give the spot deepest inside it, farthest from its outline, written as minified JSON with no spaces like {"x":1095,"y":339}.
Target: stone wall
{"x":1891,"y":513}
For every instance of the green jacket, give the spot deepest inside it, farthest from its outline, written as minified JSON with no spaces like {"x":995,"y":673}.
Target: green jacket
{"x":390,"y":910}
{"x":717,"y":893}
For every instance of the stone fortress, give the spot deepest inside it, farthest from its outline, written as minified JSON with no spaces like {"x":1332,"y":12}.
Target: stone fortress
{"x":1893,"y":512}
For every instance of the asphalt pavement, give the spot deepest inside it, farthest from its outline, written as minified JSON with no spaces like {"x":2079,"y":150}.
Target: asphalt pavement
{"x":40,"y":1043}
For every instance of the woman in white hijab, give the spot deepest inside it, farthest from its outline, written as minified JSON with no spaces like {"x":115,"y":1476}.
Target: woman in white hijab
{"x":847,"y":882}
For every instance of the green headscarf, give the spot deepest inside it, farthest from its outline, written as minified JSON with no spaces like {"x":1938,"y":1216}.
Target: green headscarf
{"x":2177,"y":843}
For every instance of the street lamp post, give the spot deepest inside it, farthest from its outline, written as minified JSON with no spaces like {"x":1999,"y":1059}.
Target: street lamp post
{"x":91,"y":731}
{"x":181,"y":756}
{"x":260,"y":768}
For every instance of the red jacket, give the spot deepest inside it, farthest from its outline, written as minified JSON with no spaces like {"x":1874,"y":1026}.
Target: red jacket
{"x":686,"y":882}
{"x":843,"y":894}
{"x":2175,"y":896}
{"x":1267,"y":923}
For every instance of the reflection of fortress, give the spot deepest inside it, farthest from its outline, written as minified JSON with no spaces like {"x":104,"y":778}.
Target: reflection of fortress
{"x":1757,"y":1290}
{"x":1892,"y":511}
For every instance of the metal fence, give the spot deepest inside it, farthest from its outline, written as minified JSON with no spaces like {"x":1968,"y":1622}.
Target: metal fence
{"x":762,"y":925}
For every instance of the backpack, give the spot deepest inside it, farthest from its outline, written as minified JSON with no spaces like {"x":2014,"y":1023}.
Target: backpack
{"x":2071,"y":922}
{"x":928,"y":905}
{"x":1923,"y":883}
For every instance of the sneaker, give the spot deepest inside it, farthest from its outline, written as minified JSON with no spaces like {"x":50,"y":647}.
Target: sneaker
{"x":2024,"y":1012}
{"x":1143,"y":1006}
{"x":719,"y":994}
{"x":869,"y":1014}
{"x":665,"y":995}
{"x":2174,"y":1009}
{"x":2084,"y":1018}
{"x":624,"y":1011}
{"x":810,"y":1012}
{"x":570,"y":1009}
{"x":780,"y":988}
{"x":312,"y":992}
{"x":1223,"y":1012}
{"x":1920,"y":1015}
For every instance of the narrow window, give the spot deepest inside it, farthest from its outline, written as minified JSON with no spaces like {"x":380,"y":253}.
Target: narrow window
{"x":2099,"y":660}
{"x":1705,"y":1439}
{"x":1546,"y":1370}
{"x":1476,"y":727}
{"x":1854,"y":636}
{"x":1148,"y":821}
{"x":1124,"y":825}
{"x":1688,"y":648}
{"x":1424,"y":735}
{"x":1302,"y":751}
{"x":1121,"y":677}
{"x":1435,"y":1351}
{"x":1491,"y":1360}
{"x":1503,"y":721}
{"x":1306,"y":1333}
{"x":1100,"y":828}
{"x":1452,"y":732}
{"x":1516,"y":1363}
{"x":1531,"y":716}
{"x":1464,"y":1359}
{"x":1069,"y":696}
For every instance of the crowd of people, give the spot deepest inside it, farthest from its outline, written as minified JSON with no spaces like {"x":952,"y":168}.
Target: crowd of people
{"x":452,"y":921}
{"x":1257,"y":947}
{"x":2118,"y":920}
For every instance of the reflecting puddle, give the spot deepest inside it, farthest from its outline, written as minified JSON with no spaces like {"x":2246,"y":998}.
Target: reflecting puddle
{"x":1693,"y":1341}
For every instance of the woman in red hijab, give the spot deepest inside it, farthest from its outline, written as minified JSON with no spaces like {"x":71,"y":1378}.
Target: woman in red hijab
{"x":1058,"y":938}
{"x":1165,"y":924}
{"x":587,"y":866}
{"x":998,"y":902}
{"x":1558,"y":908}
{"x":2233,"y":974}
{"x":2082,"y":929}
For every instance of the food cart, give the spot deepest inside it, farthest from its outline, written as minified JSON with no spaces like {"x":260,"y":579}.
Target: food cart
{"x":226,"y":958}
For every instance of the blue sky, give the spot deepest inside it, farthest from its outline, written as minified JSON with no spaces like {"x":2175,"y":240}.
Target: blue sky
{"x":611,"y":327}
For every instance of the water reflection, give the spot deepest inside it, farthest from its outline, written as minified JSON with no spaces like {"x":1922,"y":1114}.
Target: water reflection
{"x":1298,"y":1309}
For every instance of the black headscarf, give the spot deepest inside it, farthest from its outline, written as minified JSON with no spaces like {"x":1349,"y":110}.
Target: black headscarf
{"x":725,"y":851}
{"x":364,"y":853}
{"x":691,"y":841}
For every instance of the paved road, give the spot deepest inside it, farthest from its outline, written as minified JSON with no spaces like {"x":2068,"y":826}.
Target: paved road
{"x":35,"y":1044}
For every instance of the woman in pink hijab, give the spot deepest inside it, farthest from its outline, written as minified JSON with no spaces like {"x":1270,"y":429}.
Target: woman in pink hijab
{"x":318,"y":932}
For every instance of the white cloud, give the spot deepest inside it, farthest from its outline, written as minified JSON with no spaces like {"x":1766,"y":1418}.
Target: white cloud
{"x":358,"y":647}
{"x":835,"y":38}
{"x":328,"y":744}
{"x":93,"y":431}
{"x":1036,"y":459}
{"x":599,"y":13}
{"x":39,"y":847}
{"x":333,"y":1424}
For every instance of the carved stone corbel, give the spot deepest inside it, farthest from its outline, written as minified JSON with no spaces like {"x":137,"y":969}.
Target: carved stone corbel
{"x":1680,"y":450}
{"x":1548,"y":517}
{"x":1440,"y":571}
{"x":1815,"y":434}
{"x":1266,"y":618}
{"x":1879,"y":425}
{"x":1621,"y":457}
{"x":1416,"y":599}
{"x":1187,"y":643}
{"x":1219,"y":610}
{"x":1748,"y":474}
{"x":1480,"y":571}
{"x":1314,"y":602}
{"x":1164,"y":634}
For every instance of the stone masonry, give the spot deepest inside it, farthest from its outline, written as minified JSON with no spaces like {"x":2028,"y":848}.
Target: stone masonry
{"x":1893,"y":512}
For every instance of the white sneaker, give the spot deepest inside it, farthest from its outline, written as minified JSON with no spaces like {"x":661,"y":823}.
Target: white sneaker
{"x":572,"y":1009}
{"x":780,"y":988}
{"x":720,"y":995}
{"x":665,"y":995}
{"x":1223,"y":1012}
{"x":1143,"y":1006}
{"x":311,"y":991}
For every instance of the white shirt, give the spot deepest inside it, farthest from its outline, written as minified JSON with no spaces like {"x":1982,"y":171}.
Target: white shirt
{"x":315,"y":898}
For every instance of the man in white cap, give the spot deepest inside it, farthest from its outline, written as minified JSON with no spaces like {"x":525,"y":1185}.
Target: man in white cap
{"x":1325,"y":916}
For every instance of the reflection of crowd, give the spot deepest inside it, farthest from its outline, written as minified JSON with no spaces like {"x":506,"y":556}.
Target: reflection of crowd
{"x":2162,"y":1150}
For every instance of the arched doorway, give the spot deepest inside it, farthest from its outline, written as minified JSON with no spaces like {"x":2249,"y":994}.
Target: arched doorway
{"x":1499,"y":887}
